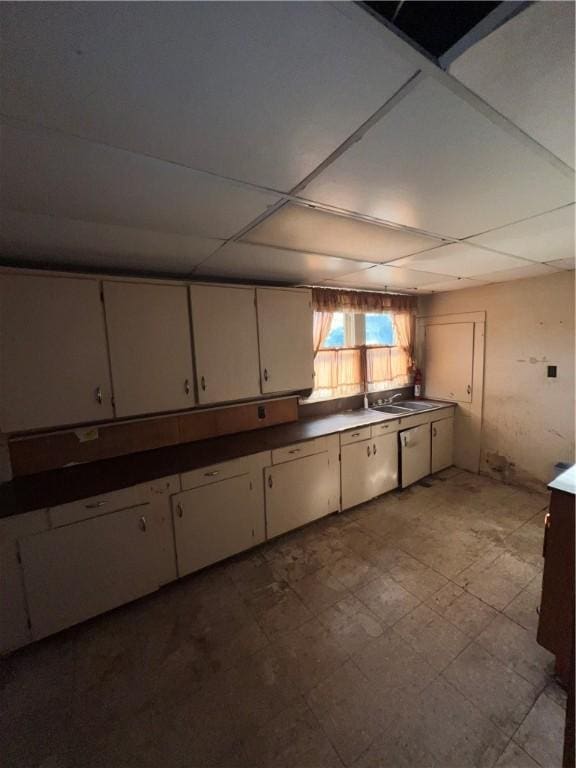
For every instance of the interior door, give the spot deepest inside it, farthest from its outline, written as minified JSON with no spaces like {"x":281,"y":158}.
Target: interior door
{"x":53,"y":357}
{"x":297,"y":492}
{"x":225,"y":342}
{"x":355,"y":473}
{"x":449,"y":355}
{"x":442,"y":444}
{"x":384,"y":464}
{"x":415,"y":454}
{"x":78,"y":571}
{"x":216,"y":521}
{"x":285,"y":337}
{"x":150,"y":347}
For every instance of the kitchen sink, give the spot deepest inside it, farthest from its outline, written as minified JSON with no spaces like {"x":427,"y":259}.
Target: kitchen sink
{"x":403,"y":407}
{"x":390,"y":409}
{"x":414,"y":405}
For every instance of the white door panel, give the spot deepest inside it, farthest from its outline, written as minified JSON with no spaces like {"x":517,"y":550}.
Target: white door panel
{"x":415,"y":454}
{"x":442,"y":444}
{"x":449,"y":357}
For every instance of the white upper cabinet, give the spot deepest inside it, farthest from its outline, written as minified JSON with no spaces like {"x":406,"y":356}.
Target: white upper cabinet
{"x":150,"y":347}
{"x":449,"y":353}
{"x":285,"y":336}
{"x":225,"y":342}
{"x":53,"y":360}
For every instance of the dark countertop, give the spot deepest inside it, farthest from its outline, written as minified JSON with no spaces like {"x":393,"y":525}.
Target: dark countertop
{"x":60,"y":486}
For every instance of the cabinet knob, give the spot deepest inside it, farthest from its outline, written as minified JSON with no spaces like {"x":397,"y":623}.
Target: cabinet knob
{"x":266,"y":374}
{"x":179,"y":510}
{"x":468,"y":390}
{"x":270,"y":481}
{"x":143,"y":524}
{"x":374,"y":449}
{"x":434,"y":432}
{"x":212,"y":474}
{"x":203,"y":383}
{"x":99,"y":395}
{"x":187,"y":386}
{"x":368,"y":450}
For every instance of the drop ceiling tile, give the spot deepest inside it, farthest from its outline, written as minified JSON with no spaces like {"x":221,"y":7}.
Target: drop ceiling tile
{"x":525,"y":70}
{"x":308,"y":229}
{"x":51,"y":240}
{"x":437,"y":164}
{"x":385,"y":276}
{"x":46,"y":172}
{"x":531,"y":270}
{"x":454,"y":285}
{"x":256,"y":91}
{"x":562,"y":263}
{"x":459,"y":260}
{"x":258,"y":262}
{"x":541,"y":238}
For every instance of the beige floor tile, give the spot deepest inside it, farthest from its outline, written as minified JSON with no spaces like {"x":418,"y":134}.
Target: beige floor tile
{"x":518,"y":649}
{"x":558,"y":694}
{"x":397,"y":748}
{"x":524,"y":608}
{"x":353,"y":571}
{"x":438,"y":641}
{"x":321,"y":589}
{"x":462,"y":609}
{"x":514,"y":757}
{"x":500,"y":693}
{"x":287,"y":614}
{"x":423,"y":583}
{"x":293,"y":738}
{"x":541,"y":734}
{"x":352,"y":623}
{"x":387,"y":599}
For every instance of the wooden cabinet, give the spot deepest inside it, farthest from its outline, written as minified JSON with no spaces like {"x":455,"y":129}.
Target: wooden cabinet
{"x":285,"y":338}
{"x":150,"y":347}
{"x":218,"y":520}
{"x":225,"y":342}
{"x":299,"y":491}
{"x":442,"y":444}
{"x":77,"y":571}
{"x":369,"y":468}
{"x":53,"y":357}
{"x":415,"y":454}
{"x":449,"y":357}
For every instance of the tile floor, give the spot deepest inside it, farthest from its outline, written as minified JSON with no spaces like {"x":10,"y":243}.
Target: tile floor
{"x":400,"y":633}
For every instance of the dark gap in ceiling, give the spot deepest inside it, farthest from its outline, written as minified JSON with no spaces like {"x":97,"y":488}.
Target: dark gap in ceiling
{"x":434,"y":26}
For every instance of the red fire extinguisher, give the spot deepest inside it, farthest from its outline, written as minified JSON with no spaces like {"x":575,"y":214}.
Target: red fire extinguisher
{"x":417,"y":383}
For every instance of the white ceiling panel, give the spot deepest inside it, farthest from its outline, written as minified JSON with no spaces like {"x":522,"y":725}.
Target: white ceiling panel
{"x":454,"y":285}
{"x":308,"y":229}
{"x":257,"y":262}
{"x":381,"y":277}
{"x":437,"y":164}
{"x":563,"y":263}
{"x":256,"y":91}
{"x":541,"y":238}
{"x":44,"y":172}
{"x":525,"y":70}
{"x":459,"y":260}
{"x":53,"y":240}
{"x":530,"y":270}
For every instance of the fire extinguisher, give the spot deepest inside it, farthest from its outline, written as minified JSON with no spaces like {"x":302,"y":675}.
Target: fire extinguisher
{"x":417,"y":383}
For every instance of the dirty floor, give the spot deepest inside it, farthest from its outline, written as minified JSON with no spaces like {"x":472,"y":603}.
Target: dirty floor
{"x":400,"y":633}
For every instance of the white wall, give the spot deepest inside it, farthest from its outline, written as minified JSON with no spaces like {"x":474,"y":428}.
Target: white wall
{"x":528,"y":419}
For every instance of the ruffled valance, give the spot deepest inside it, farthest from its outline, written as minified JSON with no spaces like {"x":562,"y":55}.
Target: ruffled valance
{"x":335,"y":300}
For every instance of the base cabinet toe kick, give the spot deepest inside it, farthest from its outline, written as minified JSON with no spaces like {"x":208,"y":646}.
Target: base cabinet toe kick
{"x":64,"y":565}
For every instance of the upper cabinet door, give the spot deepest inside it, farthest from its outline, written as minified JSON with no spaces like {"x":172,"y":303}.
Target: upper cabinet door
{"x":150,"y":347}
{"x":449,"y":353}
{"x":53,"y":360}
{"x":225,"y":342}
{"x":285,"y":335}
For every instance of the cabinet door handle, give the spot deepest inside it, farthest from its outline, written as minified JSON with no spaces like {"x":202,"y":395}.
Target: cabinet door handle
{"x":99,"y":397}
{"x":266,"y":374}
{"x":374,"y":449}
{"x":96,"y":504}
{"x":547,"y":523}
{"x":434,"y":432}
{"x":212,"y":474}
{"x":270,"y":481}
{"x":187,"y":387}
{"x":404,"y":440}
{"x":143,"y":524}
{"x":203,"y":383}
{"x":368,"y":450}
{"x":468,"y":390}
{"x":294,"y":450}
{"x":179,"y":510}
{"x":355,"y":434}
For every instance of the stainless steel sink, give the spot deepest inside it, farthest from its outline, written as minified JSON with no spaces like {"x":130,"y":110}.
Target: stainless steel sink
{"x":391,"y":409}
{"x":414,"y":405}
{"x":403,"y":407}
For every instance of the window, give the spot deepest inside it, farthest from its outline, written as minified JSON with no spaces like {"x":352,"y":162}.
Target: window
{"x":356,"y":353}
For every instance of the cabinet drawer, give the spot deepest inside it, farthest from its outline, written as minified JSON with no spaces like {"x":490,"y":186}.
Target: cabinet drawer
{"x":355,"y":435}
{"x":386,"y":427}
{"x":298,"y":450}
{"x":212,"y":474}
{"x":65,"y":514}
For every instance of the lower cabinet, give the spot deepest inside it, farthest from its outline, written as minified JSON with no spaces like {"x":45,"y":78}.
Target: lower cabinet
{"x":75,"y":572}
{"x":218,"y":520}
{"x":442,"y":444}
{"x":298,"y":492}
{"x":415,"y":454}
{"x":369,"y":468}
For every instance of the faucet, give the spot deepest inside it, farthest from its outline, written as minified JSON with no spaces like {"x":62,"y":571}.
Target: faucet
{"x":392,"y":398}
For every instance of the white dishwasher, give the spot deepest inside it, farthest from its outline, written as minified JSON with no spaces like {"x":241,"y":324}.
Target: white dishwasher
{"x":414,"y":454}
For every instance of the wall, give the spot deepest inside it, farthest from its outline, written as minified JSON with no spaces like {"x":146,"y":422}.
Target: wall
{"x":528,"y":419}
